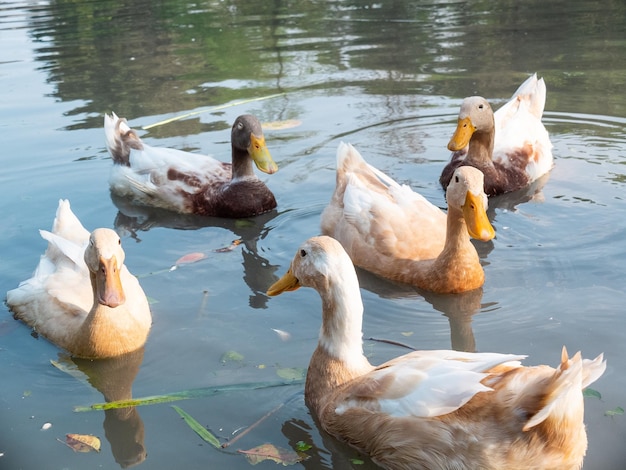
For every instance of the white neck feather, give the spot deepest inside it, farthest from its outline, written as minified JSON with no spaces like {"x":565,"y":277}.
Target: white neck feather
{"x":341,"y":333}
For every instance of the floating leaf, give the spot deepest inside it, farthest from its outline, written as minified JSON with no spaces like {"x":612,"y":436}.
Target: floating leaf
{"x":190,"y":258}
{"x":357,"y":461}
{"x":82,"y":442}
{"x":244,"y":223}
{"x":231,"y":356}
{"x":271,"y":452}
{"x":279,"y":125}
{"x":231,"y":247}
{"x":46,"y":426}
{"x":283,"y":335}
{"x":615,"y":411}
{"x":302,"y":446}
{"x":198,"y":428}
{"x":66,"y":365}
{"x":591,"y":393}
{"x":291,"y":373}
{"x":407,"y":333}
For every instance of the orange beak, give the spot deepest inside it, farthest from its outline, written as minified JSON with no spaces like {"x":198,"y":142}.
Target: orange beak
{"x":108,"y":283}
{"x":462,"y":135}
{"x":261,"y":155}
{"x":475,"y":216}
{"x":286,"y":283}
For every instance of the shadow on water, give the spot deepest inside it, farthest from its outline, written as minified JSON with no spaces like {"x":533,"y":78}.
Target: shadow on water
{"x":510,"y":201}
{"x":333,"y":453}
{"x":259,"y":274}
{"x":123,"y":427}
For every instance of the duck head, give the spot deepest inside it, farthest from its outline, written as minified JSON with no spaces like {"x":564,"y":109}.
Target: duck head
{"x":247,"y":135}
{"x":104,"y":258}
{"x":465,"y":193}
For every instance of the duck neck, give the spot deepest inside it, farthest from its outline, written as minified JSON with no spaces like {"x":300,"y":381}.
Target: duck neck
{"x":481,"y":147}
{"x":342,"y":320}
{"x":457,"y":268}
{"x":106,"y":331}
{"x":457,"y":237}
{"x":338,"y":357}
{"x":242,"y":164}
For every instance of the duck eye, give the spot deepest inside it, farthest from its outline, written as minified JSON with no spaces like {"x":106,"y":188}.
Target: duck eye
{"x":480,"y":106}
{"x":456,"y":179}
{"x":240,"y":125}
{"x":302,"y":253}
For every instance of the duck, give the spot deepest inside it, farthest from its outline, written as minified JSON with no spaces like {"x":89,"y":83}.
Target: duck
{"x":190,"y":183}
{"x":396,"y":233}
{"x":511,"y":146}
{"x":81,"y":296}
{"x":430,"y":409}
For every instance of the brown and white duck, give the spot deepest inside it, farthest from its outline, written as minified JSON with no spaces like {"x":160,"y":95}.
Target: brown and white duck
{"x":511,"y":146}
{"x":434,"y":409}
{"x":191,"y":183}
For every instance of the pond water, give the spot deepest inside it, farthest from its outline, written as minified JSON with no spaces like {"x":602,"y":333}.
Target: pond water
{"x":387,"y":77}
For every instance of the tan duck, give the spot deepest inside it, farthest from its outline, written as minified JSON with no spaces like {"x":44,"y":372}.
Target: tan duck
{"x":81,"y":296}
{"x":190,"y":183}
{"x":511,"y":147}
{"x":396,"y":233}
{"x":434,"y":409}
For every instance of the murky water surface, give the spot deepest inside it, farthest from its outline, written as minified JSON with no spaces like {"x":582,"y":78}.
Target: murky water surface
{"x":387,"y":77}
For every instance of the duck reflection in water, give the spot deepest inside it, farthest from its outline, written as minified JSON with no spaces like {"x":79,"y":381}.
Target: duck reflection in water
{"x":458,"y":308}
{"x":123,"y":427}
{"x":334,"y":455}
{"x":259,"y":274}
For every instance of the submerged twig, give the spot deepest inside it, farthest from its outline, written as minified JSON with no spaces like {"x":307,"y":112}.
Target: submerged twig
{"x":259,"y":421}
{"x":394,"y":343}
{"x":252,"y":426}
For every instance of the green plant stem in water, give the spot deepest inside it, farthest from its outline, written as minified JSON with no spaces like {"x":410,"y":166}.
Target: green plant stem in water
{"x":185,"y":395}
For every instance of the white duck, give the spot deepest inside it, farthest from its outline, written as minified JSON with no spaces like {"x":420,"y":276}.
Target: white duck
{"x":511,"y":146}
{"x":81,"y":296}
{"x":190,"y":183}
{"x":434,"y":409}
{"x":396,"y":233}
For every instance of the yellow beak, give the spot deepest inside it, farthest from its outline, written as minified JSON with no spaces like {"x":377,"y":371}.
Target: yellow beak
{"x":475,"y":216}
{"x":462,"y":135}
{"x":286,"y":283}
{"x":108,"y":283}
{"x":261,"y":155}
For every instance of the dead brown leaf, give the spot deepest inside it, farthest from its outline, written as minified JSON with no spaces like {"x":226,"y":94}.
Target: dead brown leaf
{"x":271,"y":452}
{"x":190,"y":258}
{"x":82,"y":442}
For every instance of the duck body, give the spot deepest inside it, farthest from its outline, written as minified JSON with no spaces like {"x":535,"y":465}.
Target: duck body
{"x":434,"y":409}
{"x":81,"y":296}
{"x":388,"y":229}
{"x":511,"y":147}
{"x":189,"y":183}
